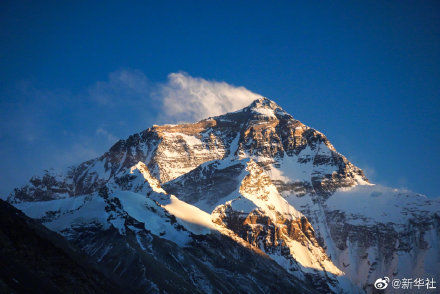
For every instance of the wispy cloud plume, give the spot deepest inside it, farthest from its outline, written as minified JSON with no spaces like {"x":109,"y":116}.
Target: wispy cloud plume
{"x":181,"y":98}
{"x":186,"y":98}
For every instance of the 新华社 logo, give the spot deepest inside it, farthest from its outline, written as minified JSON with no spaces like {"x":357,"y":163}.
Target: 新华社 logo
{"x":381,"y":283}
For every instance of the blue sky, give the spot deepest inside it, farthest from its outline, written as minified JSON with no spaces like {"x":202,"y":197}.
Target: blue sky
{"x":75,"y":76}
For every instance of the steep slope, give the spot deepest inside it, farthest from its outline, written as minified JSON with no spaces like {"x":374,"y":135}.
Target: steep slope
{"x":373,"y":231}
{"x":258,"y":214}
{"x":267,"y":181}
{"x":159,"y":243}
{"x":36,"y":260}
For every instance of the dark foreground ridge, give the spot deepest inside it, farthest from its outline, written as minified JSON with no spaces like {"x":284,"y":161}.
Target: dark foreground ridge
{"x":34,"y":259}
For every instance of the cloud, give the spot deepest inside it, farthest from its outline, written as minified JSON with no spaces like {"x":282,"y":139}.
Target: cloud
{"x":107,"y":135}
{"x":122,"y":87}
{"x":181,"y":98}
{"x":186,"y":98}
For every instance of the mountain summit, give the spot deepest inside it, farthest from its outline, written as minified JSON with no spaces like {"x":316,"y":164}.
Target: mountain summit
{"x":232,"y":201}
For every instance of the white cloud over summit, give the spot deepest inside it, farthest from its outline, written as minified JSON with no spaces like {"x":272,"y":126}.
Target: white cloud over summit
{"x":180,"y":98}
{"x":186,"y":98}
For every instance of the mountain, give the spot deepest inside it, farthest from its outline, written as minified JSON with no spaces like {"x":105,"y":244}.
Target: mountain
{"x":36,"y":260}
{"x":249,"y":201}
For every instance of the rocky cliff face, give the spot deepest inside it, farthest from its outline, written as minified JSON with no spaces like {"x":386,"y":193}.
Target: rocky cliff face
{"x":257,"y":177}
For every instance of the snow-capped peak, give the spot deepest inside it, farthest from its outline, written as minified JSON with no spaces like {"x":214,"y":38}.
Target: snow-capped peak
{"x":265,"y":108}
{"x":260,"y":174}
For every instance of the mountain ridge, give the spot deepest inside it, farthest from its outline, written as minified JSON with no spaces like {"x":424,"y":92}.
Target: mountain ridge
{"x":237,"y":169}
{"x":34,"y":259}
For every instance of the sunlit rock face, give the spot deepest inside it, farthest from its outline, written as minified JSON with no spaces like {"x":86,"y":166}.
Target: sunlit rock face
{"x":272,"y":186}
{"x":294,"y":154}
